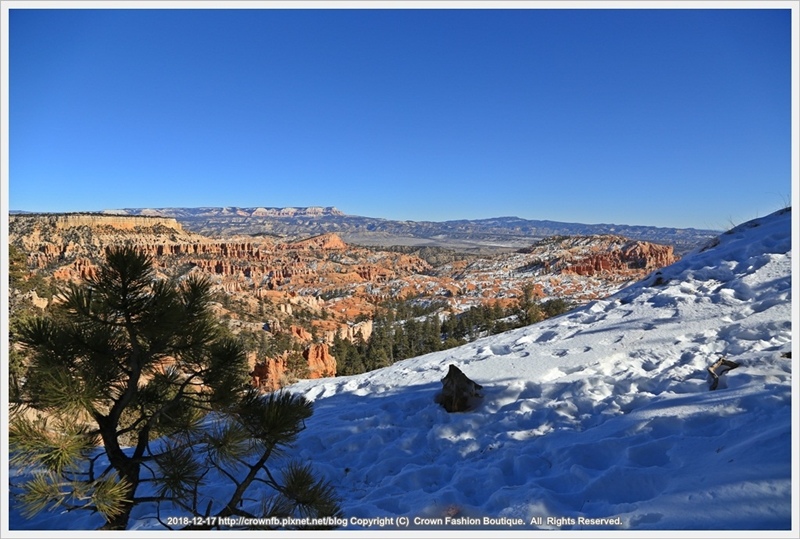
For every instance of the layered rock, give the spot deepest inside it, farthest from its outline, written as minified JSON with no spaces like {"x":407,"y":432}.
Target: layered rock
{"x":267,"y":280}
{"x":593,"y":255}
{"x":321,"y":363}
{"x":325,"y":242}
{"x":79,"y":270}
{"x":65,"y":221}
{"x":300,"y":334}
{"x":270,"y":374}
{"x":231,"y":211}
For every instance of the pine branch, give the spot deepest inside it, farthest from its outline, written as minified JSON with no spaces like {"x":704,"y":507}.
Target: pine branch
{"x":98,"y":357}
{"x":144,"y":433}
{"x":109,"y":496}
{"x":179,"y":471}
{"x":242,"y":487}
{"x":34,"y":442}
{"x":45,"y":490}
{"x":227,"y":444}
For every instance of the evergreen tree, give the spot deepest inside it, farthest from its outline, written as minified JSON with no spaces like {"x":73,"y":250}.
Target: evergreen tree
{"x":349,"y":357}
{"x":528,"y":309}
{"x":17,"y":265}
{"x":432,"y":339}
{"x":379,"y":352}
{"x":556,"y":306}
{"x":124,"y":377}
{"x":296,"y":365}
{"x":449,"y":327}
{"x":405,"y":333}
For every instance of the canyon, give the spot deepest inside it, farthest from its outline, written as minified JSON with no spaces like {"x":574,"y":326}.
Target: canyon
{"x":475,"y":235}
{"x":315,"y":289}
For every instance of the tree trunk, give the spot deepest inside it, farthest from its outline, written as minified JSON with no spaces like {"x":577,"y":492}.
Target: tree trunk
{"x":127,"y":469}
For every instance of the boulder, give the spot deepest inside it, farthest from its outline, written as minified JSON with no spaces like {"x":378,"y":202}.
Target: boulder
{"x":716,"y":371}
{"x":459,"y":393}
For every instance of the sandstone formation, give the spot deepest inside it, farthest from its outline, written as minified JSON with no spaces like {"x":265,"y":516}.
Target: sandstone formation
{"x":322,"y":242}
{"x":321,"y":363}
{"x":484,"y":235}
{"x":331,"y":285}
{"x":73,"y":220}
{"x":592,"y":255}
{"x":270,"y":374}
{"x":309,"y":211}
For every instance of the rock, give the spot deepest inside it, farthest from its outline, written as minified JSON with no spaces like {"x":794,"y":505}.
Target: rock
{"x":324,"y":242}
{"x":607,"y":254}
{"x":323,"y":279}
{"x":716,"y":371}
{"x":269,"y":374}
{"x":321,"y":363}
{"x":260,"y":374}
{"x":299,"y":333}
{"x":459,"y":393}
{"x":64,"y":221}
{"x":39,"y":303}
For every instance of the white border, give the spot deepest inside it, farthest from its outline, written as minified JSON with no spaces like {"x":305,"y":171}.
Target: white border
{"x":6,"y":5}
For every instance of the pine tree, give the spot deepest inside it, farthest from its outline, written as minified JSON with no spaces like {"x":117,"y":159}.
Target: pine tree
{"x":433,"y":335}
{"x":348,"y":356}
{"x":125,"y":377}
{"x":528,"y":309}
{"x":379,"y":352}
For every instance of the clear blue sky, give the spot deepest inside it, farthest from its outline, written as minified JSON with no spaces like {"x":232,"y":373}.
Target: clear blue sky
{"x":654,"y":117}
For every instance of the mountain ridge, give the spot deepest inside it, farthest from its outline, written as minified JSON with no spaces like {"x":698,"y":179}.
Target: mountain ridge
{"x":487,"y":234}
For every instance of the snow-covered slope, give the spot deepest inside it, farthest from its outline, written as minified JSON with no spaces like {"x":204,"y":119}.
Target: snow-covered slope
{"x":603,"y":412}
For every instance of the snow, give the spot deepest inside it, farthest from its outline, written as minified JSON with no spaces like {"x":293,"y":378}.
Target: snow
{"x":604,"y":412}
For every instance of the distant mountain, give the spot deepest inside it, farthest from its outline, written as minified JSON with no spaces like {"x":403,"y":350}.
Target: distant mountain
{"x":480,"y":235}
{"x":230,"y":211}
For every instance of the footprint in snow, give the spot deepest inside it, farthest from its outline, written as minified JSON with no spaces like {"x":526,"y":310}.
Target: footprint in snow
{"x":547,"y":336}
{"x":500,"y":350}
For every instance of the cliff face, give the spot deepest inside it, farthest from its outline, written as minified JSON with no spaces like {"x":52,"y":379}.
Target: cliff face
{"x":329,"y":285}
{"x":51,"y":239}
{"x":232,"y":211}
{"x":288,"y":276}
{"x":485,"y":234}
{"x":125,"y":223}
{"x":321,"y":364}
{"x":597,"y":255}
{"x":325,"y":242}
{"x":72,"y":220}
{"x":270,"y":374}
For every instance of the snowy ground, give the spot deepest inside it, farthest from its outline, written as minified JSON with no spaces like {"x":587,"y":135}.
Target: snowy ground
{"x":602,"y":413}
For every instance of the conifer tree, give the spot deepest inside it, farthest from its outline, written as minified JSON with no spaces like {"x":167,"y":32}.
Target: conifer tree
{"x":144,"y":401}
{"x":528,"y":309}
{"x":379,"y":351}
{"x":348,"y":356}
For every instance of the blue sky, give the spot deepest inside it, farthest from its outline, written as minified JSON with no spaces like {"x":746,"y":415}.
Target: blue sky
{"x":631,"y":116}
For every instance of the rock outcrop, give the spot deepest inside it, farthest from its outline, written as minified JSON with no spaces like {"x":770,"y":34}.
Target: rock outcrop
{"x":324,"y":242}
{"x":459,"y":393}
{"x":483,"y":234}
{"x":321,"y":363}
{"x":333,"y":287}
{"x":593,"y":255}
{"x":270,"y":374}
